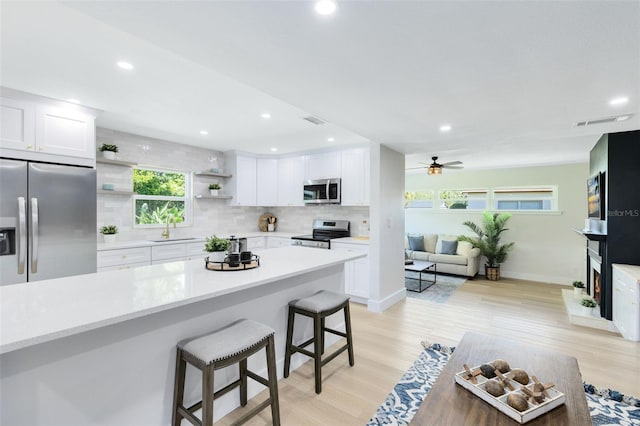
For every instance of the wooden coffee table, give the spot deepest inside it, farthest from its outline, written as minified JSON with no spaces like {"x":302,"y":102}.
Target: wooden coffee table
{"x":450,"y":404}
{"x":422,"y":266}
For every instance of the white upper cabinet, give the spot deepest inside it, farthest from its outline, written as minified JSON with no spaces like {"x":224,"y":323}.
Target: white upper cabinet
{"x":323,"y":166}
{"x":242,"y":184}
{"x":290,"y":181}
{"x":267,"y":182}
{"x":65,"y":132}
{"x":356,"y":177}
{"x":17,"y":129}
{"x":41,"y":129}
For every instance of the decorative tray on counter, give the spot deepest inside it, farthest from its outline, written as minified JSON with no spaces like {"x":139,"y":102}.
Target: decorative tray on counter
{"x":536,"y":398}
{"x":254,"y":262}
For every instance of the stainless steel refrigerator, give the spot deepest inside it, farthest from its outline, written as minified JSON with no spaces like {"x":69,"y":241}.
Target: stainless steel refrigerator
{"x":47,"y":221}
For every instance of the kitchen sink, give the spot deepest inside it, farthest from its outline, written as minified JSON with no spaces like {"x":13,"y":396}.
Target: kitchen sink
{"x":172,"y":240}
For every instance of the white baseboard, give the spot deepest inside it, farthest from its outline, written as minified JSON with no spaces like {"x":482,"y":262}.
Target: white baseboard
{"x":550,"y":279}
{"x":384,"y":304}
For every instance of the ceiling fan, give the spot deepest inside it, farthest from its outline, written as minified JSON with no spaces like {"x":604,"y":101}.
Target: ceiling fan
{"x":435,"y":168}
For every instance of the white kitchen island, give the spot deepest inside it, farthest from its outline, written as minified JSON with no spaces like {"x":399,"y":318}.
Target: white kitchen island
{"x":99,"y":349}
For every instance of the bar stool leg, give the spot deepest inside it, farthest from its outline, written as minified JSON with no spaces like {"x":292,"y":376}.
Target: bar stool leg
{"x":317,"y":352}
{"x":287,"y":352}
{"x":347,"y":322}
{"x":273,"y":381}
{"x":322,"y":334}
{"x":207,"y":395}
{"x":178,"y":386}
{"x":243,"y":382}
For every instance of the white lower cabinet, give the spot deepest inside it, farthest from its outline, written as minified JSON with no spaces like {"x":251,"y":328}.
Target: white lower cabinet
{"x":626,"y":300}
{"x":356,"y":272}
{"x":278,"y":242}
{"x":176,"y":252}
{"x":109,"y":260}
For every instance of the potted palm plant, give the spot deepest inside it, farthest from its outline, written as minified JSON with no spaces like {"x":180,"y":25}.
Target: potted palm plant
{"x":109,"y":233}
{"x":218,"y":248}
{"x":109,"y":151}
{"x":488,"y":241}
{"x":578,"y":288}
{"x":214,"y":188}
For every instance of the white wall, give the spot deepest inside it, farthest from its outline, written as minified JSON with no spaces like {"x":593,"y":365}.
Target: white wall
{"x":386,"y":246}
{"x":546,"y":249}
{"x":209,"y":216}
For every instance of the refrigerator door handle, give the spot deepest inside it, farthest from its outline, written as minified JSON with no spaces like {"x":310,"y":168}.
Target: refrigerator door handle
{"x":22,"y":228}
{"x":34,"y":235}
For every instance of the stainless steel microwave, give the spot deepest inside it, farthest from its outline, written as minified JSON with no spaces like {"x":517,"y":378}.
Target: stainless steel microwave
{"x":322,"y":191}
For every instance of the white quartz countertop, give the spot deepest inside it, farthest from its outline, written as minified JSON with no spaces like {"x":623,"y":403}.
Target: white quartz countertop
{"x":353,"y":240}
{"x":42,"y":311}
{"x":185,"y":240}
{"x":632,"y":270}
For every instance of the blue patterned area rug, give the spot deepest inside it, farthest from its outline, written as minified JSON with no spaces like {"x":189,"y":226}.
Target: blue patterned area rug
{"x":439,"y":292}
{"x":607,"y":407}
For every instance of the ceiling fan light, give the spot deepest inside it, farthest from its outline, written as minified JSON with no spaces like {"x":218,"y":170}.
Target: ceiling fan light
{"x":434,"y":170}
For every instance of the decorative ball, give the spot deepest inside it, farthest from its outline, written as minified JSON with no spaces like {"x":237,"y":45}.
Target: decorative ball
{"x":538,"y":387}
{"x":501,"y":365}
{"x":494,"y":387}
{"x":488,"y":371}
{"x":520,"y":376}
{"x":517,"y":401}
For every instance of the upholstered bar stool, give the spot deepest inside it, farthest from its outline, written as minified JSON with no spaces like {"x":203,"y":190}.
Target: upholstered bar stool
{"x":318,"y":307}
{"x":227,"y":346}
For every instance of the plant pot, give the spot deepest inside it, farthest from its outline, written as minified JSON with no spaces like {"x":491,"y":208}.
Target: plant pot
{"x":217,"y":256}
{"x":109,"y":155}
{"x":578,"y":291}
{"x":214,"y":192}
{"x":586,"y":310}
{"x":492,"y":273}
{"x":109,"y":238}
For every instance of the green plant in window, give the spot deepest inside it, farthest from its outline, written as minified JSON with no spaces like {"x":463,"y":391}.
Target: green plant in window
{"x":454,"y":199}
{"x":152,"y":182}
{"x":154,"y":212}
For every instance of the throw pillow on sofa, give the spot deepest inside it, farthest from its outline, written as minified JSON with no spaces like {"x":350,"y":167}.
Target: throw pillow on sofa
{"x":416,"y":243}
{"x":449,"y":247}
{"x":464,"y":247}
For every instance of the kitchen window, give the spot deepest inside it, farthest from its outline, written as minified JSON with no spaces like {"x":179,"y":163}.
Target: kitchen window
{"x":161,"y":196}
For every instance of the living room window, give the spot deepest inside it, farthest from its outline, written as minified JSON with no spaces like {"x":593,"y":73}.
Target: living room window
{"x":464,"y":199}
{"x":525,"y":198}
{"x":161,"y":195}
{"x":418,"y":199}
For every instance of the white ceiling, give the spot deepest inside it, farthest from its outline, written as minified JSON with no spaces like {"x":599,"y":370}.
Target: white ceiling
{"x":511,"y":78}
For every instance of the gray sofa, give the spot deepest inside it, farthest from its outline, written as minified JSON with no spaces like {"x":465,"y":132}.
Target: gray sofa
{"x":459,"y":258}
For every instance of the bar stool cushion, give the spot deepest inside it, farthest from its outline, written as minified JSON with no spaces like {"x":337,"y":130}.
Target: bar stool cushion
{"x":321,"y":301}
{"x":227,"y":342}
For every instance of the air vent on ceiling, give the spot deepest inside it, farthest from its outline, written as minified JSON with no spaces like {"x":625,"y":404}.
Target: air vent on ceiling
{"x":604,"y":120}
{"x":313,"y":120}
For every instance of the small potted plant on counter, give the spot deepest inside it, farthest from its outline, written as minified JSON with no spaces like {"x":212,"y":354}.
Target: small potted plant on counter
{"x":214,"y":188}
{"x":109,"y":233}
{"x":587,"y":305}
{"x":218,"y":248}
{"x":578,"y":288}
{"x":109,"y":151}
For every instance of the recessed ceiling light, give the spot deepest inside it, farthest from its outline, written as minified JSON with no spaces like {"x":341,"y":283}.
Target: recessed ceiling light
{"x":445,"y":128}
{"x":204,"y":132}
{"x":331,"y":139}
{"x":73,"y":101}
{"x":274,"y":149}
{"x":325,"y":7}
{"x":619,"y":101}
{"x":125,"y":65}
{"x":266,"y":115}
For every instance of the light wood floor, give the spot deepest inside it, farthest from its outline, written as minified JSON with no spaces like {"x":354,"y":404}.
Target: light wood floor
{"x":387,"y":344}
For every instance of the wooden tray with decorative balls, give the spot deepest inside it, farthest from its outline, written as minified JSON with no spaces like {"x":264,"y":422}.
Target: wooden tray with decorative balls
{"x":254,"y":262}
{"x":512,"y":391}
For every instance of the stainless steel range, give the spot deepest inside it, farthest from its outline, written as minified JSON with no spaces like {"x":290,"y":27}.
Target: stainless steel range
{"x":324,"y":231}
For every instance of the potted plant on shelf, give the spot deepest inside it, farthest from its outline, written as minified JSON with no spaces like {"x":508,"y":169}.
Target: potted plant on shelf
{"x":109,"y":233}
{"x":578,"y":288}
{"x":214,"y":189}
{"x":109,"y":151}
{"x":587,"y":305}
{"x":218,"y":248}
{"x":488,"y":241}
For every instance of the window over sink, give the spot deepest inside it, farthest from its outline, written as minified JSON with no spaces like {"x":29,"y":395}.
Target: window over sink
{"x":161,"y":196}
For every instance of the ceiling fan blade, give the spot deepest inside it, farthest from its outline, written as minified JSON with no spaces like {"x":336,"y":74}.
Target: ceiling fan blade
{"x":452,"y":163}
{"x":415,"y":168}
{"x":452,"y":167}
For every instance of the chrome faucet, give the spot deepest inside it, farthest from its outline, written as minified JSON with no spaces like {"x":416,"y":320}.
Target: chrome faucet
{"x":166,"y":234}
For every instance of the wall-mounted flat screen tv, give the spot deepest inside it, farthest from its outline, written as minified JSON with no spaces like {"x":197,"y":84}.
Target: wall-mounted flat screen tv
{"x":595,"y":191}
